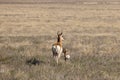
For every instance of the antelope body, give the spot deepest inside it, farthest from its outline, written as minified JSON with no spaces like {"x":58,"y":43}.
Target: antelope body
{"x":57,"y":48}
{"x":65,"y":53}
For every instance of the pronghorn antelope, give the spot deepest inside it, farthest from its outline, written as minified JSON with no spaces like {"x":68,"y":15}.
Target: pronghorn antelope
{"x":66,"y":56}
{"x":57,"y":48}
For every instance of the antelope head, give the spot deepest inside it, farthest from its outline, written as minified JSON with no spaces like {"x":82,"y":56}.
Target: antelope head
{"x":60,"y":36}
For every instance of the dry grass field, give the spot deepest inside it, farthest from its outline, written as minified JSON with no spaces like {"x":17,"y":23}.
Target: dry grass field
{"x":91,"y":32}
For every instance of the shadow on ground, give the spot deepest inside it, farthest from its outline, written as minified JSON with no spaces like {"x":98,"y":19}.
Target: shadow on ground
{"x":34,"y":61}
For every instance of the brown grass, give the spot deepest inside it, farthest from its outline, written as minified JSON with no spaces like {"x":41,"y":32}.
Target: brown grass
{"x":27,"y":31}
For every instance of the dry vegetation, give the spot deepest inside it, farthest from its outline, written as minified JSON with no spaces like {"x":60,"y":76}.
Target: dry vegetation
{"x":92,"y":35}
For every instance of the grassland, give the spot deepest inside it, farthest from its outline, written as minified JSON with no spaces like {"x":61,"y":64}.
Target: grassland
{"x":91,"y":32}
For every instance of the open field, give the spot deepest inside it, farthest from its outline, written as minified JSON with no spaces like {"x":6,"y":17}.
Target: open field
{"x":91,"y":32}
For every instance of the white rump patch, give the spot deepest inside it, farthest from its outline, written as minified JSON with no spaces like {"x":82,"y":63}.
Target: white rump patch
{"x":68,"y":56}
{"x":57,"y":49}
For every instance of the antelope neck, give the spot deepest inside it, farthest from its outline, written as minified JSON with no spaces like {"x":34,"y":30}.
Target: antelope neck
{"x":59,"y":41}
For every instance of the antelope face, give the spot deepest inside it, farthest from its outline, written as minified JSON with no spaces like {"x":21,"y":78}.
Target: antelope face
{"x":61,"y":37}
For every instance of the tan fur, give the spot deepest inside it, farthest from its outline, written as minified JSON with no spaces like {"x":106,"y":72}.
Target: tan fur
{"x":58,"y":43}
